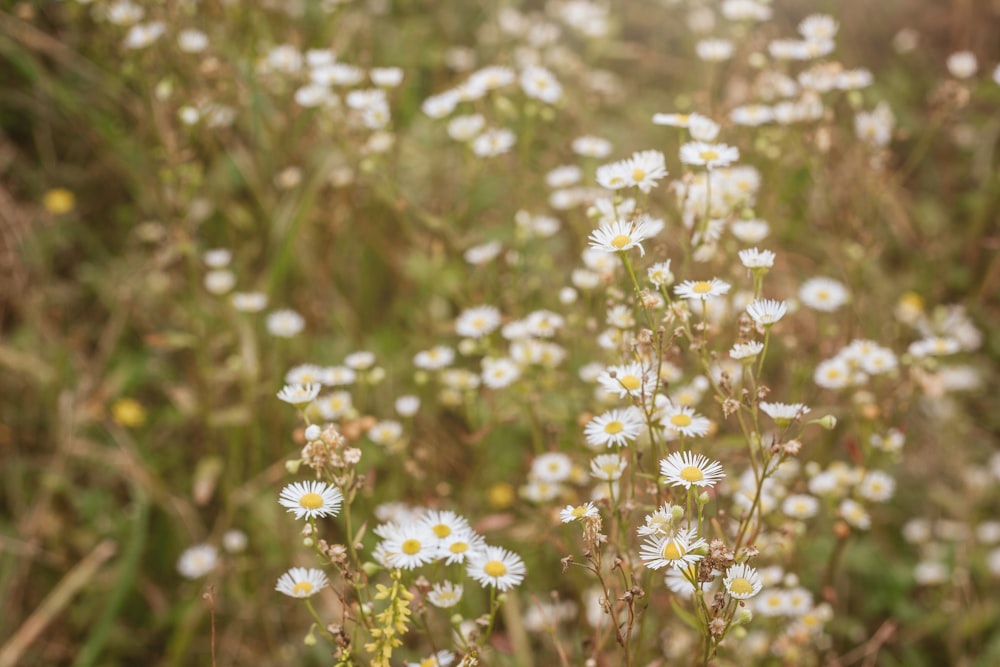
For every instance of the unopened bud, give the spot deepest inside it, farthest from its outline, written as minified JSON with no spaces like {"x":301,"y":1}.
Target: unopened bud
{"x":293,"y":466}
{"x":829,"y":422}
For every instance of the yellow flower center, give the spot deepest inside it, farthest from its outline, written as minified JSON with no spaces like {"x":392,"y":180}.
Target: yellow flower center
{"x":683,"y":118}
{"x":303,"y":587}
{"x":740,"y":586}
{"x":478,"y":323}
{"x":429,"y":662}
{"x":459,"y":547}
{"x":311,"y":501}
{"x":410,"y":546}
{"x":672,"y":551}
{"x":630,"y":382}
{"x":708,"y":156}
{"x":692,"y":474}
{"x":681,"y":420}
{"x":614,"y":428}
{"x":579,"y":511}
{"x":495,"y":568}
{"x":702,"y":287}
{"x":609,"y":469}
{"x":621,"y":241}
{"x":823,"y":295}
{"x":442,"y":530}
{"x":638,"y":174}
{"x":833,"y":373}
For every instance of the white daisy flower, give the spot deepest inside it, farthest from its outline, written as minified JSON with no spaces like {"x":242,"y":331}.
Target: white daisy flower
{"x":499,"y":373}
{"x":572,"y":513}
{"x":304,"y":374}
{"x":589,"y":146}
{"x":671,"y":550}
{"x":407,"y":406}
{"x":800,"y":506}
{"x":386,"y":432}
{"x":285,"y":323}
{"x":701,"y":289}
{"x":659,"y":274}
{"x":445,"y":594}
{"x":752,"y":258}
{"x":833,"y":374}
{"x":614,"y":176}
{"x":766,"y":312}
{"x":334,"y":406}
{"x":742,"y":581}
{"x":784,"y":414}
{"x":818,"y":27}
{"x":682,"y":419}
{"x":748,"y":350}
{"x":300,"y":582}
{"x":541,"y":84}
{"x":311,"y":499}
{"x":825,"y":294}
{"x":646,"y":168}
{"x":444,"y":523}
{"x":493,"y":142}
{"x":877,"y":486}
{"x":477,"y":322}
{"x":553,"y":467}
{"x":409,"y":546}
{"x":709,"y":155}
{"x":628,"y":380}
{"x":615,"y":428}
{"x":714,"y":50}
{"x":249,"y":302}
{"x":688,"y":469}
{"x":962,"y":64}
{"x":496,"y":567}
{"x":435,"y":358}
{"x":197,"y":561}
{"x":608,"y":467}
{"x":298,"y":394}
{"x":672,"y":119}
{"x":459,"y":545}
{"x":750,"y":231}
{"x":854,"y":514}
{"x":621,"y":235}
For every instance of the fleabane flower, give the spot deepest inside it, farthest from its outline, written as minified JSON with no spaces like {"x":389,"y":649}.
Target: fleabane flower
{"x":742,"y":581}
{"x":646,"y":168}
{"x":784,"y":414}
{"x":300,"y":582}
{"x":299,"y":394}
{"x":621,"y":235}
{"x":688,"y":469}
{"x":706,"y":155}
{"x":496,"y":567}
{"x":766,"y":311}
{"x":445,"y":594}
{"x":614,"y":428}
{"x":442,"y":658}
{"x":409,"y":546}
{"x":825,"y":294}
{"x":608,"y":467}
{"x":572,"y":513}
{"x":477,"y":322}
{"x":752,"y":258}
{"x":748,"y":350}
{"x":311,"y":499}
{"x":683,"y":420}
{"x":628,"y":380}
{"x":678,"y":550}
{"x":659,"y":274}
{"x":701,"y":289}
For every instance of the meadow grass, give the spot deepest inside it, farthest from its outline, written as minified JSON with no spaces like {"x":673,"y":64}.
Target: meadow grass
{"x":502,"y":333}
